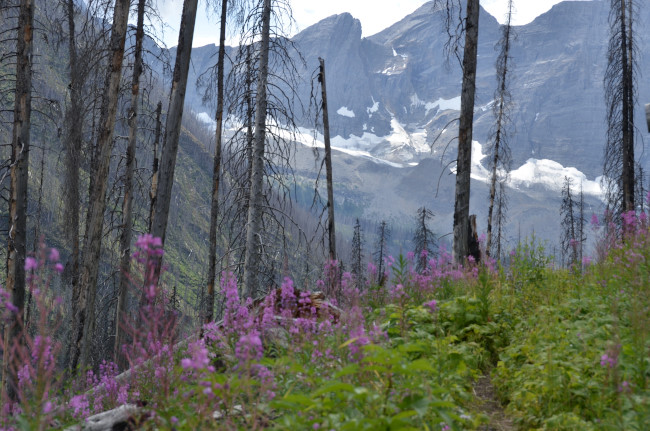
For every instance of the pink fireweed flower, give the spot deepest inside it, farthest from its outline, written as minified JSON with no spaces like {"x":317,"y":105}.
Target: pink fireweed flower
{"x":629,"y":219}
{"x":199,"y":359}
{"x":431,"y":305}
{"x":31,"y":264}
{"x":54,"y":255}
{"x":80,"y":406}
{"x":249,"y":347}
{"x":11,"y":307}
{"x":608,"y":361}
{"x":48,"y":407}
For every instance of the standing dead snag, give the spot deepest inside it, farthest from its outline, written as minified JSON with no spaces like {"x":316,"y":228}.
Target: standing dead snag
{"x":153,"y":193}
{"x":469,"y":26}
{"x":216,"y":169}
{"x":19,"y":171}
{"x":331,"y":231}
{"x":127,"y":202}
{"x":173,"y":123}
{"x":84,"y":304}
{"x":499,"y":149}
{"x":253,"y":255}
{"x":620,"y":94}
{"x":424,"y":239}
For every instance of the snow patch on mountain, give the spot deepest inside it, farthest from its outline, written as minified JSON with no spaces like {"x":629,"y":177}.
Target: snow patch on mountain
{"x":345,"y":112}
{"x":205,"y":118}
{"x":441,"y":104}
{"x":374,"y":108}
{"x":307,"y":138}
{"x":544,"y":172}
{"x":551,"y":174}
{"x":400,"y":137}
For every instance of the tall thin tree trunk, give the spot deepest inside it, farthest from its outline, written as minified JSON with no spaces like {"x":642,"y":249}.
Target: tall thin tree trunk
{"x":253,"y":256}
{"x":153,"y":193}
{"x":464,"y":161}
{"x":216,"y":170}
{"x":84,"y":304}
{"x":502,"y":70}
{"x":331,"y":229}
{"x":17,"y":239}
{"x":628,"y":132}
{"x":174,"y":119}
{"x":73,"y":128}
{"x":127,"y":203}
{"x":249,"y":117}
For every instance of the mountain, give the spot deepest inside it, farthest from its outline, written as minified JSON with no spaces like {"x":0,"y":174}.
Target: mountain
{"x":391,"y":94}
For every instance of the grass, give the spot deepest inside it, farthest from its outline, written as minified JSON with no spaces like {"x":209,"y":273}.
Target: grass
{"x":565,"y":349}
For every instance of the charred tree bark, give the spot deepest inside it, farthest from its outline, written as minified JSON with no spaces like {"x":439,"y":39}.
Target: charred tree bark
{"x":331,"y":229}
{"x":73,"y":143}
{"x":127,"y":203}
{"x":216,"y":170}
{"x":17,"y":239}
{"x":619,"y":164}
{"x":253,"y":256}
{"x":84,"y":303}
{"x":499,"y":159}
{"x":464,"y":160}
{"x":628,"y":112}
{"x":153,"y":193}
{"x":174,"y":118}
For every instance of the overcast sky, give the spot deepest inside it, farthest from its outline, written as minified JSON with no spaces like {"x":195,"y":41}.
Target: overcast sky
{"x":375,"y":15}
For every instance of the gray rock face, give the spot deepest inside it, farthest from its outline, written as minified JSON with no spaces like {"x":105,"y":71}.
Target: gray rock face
{"x":401,"y":73}
{"x":393,"y":93}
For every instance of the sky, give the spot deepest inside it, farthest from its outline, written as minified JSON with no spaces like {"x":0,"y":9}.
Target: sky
{"x":375,"y":15}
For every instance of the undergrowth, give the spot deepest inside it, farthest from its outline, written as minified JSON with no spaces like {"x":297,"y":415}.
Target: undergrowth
{"x":566,"y":348}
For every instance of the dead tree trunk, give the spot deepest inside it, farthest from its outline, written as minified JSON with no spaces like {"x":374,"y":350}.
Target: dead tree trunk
{"x":17,"y":239}
{"x":73,"y":122}
{"x":499,"y":155}
{"x":331,"y":231}
{"x":253,"y":256}
{"x":153,"y":193}
{"x":216,"y":170}
{"x":127,"y":203}
{"x":84,"y":303}
{"x":627,"y":112}
{"x":174,"y":118}
{"x":464,"y":161}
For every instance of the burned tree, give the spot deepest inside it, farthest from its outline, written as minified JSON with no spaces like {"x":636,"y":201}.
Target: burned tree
{"x":568,"y":241}
{"x":19,"y":171}
{"x":356,"y":255}
{"x":499,"y":149}
{"x":620,"y":96}
{"x":468,"y":27}
{"x":331,"y":232}
{"x":270,"y":150}
{"x":127,"y":202}
{"x":173,"y":123}
{"x":423,"y":239}
{"x":84,"y":304}
{"x":254,"y":225}
{"x":383,"y":236}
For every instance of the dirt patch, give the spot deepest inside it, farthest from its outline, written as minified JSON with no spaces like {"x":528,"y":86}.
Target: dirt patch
{"x":488,"y":403}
